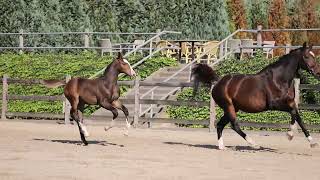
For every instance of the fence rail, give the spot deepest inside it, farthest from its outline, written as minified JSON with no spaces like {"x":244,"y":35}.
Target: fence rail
{"x":137,"y":101}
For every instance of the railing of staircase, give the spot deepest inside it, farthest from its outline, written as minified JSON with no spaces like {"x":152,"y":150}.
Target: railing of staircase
{"x":223,"y":53}
{"x":151,"y":53}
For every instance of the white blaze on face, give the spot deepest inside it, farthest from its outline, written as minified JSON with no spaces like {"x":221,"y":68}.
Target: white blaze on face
{"x":132,"y":71}
{"x":312,"y":54}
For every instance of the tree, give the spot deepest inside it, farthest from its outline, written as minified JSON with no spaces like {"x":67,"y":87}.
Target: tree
{"x":12,"y":20}
{"x":278,"y":19}
{"x":257,"y":13}
{"x":74,"y":19}
{"x":311,"y":21}
{"x":304,"y":18}
{"x":237,"y":15}
{"x":43,"y":16}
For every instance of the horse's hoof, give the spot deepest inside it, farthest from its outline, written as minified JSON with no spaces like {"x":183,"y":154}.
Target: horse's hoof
{"x":256,"y":146}
{"x":314,"y":145}
{"x":290,"y":135}
{"x":107,"y":128}
{"x":126,"y":132}
{"x":85,"y":144}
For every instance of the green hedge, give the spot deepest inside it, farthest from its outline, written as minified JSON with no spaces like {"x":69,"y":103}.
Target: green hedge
{"x":57,"y":66}
{"x":247,"y":66}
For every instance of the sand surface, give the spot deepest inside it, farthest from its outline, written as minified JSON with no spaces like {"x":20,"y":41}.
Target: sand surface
{"x":45,"y":151}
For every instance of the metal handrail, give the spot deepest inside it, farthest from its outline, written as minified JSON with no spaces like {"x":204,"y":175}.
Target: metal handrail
{"x":177,"y":88}
{"x":138,"y":48}
{"x":150,"y":40}
{"x":189,"y":65}
{"x":196,"y":59}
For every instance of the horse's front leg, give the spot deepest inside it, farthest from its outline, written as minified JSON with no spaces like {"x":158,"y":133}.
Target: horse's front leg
{"x":105,"y":104}
{"x":118,"y":104}
{"x":295,"y":114}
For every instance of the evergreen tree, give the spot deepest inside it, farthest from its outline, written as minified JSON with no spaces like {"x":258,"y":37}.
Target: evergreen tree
{"x":12,"y":20}
{"x":237,"y":15}
{"x":311,"y":21}
{"x":43,"y":16}
{"x":102,"y":18}
{"x":297,"y":21}
{"x":257,"y":13}
{"x":74,"y":19}
{"x":278,"y":19}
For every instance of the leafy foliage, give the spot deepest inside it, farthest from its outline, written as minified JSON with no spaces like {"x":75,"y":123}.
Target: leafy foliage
{"x":57,"y":66}
{"x":111,"y":16}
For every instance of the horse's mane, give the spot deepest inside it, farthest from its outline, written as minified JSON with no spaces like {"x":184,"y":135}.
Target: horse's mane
{"x":283,"y":59}
{"x":107,"y":68}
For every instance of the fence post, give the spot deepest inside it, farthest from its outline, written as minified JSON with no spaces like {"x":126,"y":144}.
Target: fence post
{"x":259,"y":35}
{"x":158,"y":38}
{"x":287,"y":49}
{"x":4,"y":97}
{"x":221,"y":50}
{"x":225,"y":47}
{"x":21,"y":41}
{"x":86,"y":38}
{"x":66,"y":105}
{"x":212,"y":113}
{"x":136,"y":102}
{"x":150,"y":48}
{"x":296,"y":91}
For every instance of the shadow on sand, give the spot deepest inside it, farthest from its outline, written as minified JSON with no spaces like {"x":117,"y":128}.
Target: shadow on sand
{"x":248,"y":149}
{"x":78,"y":142}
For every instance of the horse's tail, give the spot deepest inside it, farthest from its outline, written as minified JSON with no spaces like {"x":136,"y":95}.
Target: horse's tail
{"x":53,"y":83}
{"x":202,"y":73}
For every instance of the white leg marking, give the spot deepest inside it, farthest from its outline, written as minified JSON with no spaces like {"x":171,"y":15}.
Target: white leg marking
{"x":84,"y":129}
{"x":290,"y":135}
{"x":312,"y":144}
{"x":251,"y":142}
{"x":126,"y":133}
{"x":220,"y":142}
{"x":291,"y":131}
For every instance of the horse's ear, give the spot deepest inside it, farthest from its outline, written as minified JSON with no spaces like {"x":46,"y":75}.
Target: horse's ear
{"x":304,"y":45}
{"x":119,"y":56}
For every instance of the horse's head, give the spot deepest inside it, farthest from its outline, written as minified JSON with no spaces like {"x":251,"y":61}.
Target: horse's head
{"x":124,"y":66}
{"x":308,"y":61}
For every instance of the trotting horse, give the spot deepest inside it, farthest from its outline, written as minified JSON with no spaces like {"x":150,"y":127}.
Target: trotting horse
{"x":103,"y":91}
{"x":270,"y":89}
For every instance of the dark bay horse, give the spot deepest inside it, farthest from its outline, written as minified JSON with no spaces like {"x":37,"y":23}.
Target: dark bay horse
{"x":103,"y":91}
{"x":270,"y":89}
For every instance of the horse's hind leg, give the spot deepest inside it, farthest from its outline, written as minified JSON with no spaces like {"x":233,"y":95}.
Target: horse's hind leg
{"x":293,"y":127}
{"x":235,"y":126}
{"x":220,"y":126}
{"x":75,"y":115}
{"x":81,"y":109}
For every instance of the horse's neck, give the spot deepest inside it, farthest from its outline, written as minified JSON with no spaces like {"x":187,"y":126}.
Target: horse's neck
{"x":111,"y":75}
{"x":285,"y":73}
